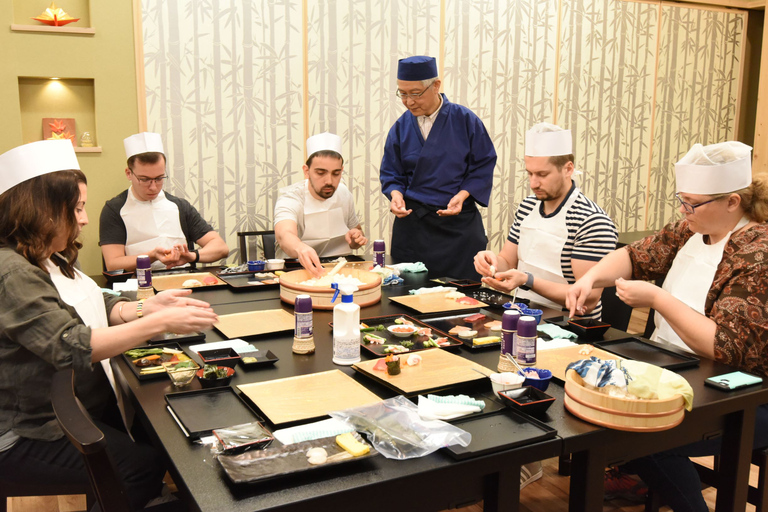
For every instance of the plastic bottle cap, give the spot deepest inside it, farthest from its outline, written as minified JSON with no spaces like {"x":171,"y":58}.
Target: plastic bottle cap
{"x":378,"y":245}
{"x":142,"y":261}
{"x":526,"y":327}
{"x":303,"y":304}
{"x":509,"y":320}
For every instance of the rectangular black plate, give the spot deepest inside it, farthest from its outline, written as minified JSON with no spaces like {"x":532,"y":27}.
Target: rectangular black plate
{"x":649,"y":352}
{"x":446,"y":323}
{"x":248,"y":280}
{"x":277,"y":461}
{"x":501,"y":431}
{"x":203,"y":410}
{"x":494,"y":299}
{"x":262,"y":359}
{"x":461,"y":284}
{"x":137,"y":371}
{"x":169,"y":337}
{"x":292,"y":263}
{"x":378,"y":350}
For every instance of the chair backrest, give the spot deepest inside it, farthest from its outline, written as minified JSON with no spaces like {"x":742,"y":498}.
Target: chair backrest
{"x":89,"y":440}
{"x":267,"y":244}
{"x":615,"y":312}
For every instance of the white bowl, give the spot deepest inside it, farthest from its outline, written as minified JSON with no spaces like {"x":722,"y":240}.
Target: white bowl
{"x":506,"y":381}
{"x":411,"y":330}
{"x":276,"y":264}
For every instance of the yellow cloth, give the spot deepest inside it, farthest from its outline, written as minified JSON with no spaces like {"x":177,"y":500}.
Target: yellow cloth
{"x":651,"y":382}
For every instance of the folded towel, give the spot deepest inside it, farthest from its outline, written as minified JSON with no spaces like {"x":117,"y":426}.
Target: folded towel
{"x":541,"y":344}
{"x":433,"y":289}
{"x":431,"y":410}
{"x":457,"y":399}
{"x":555,"y":331}
{"x":410,"y":267}
{"x":316,"y":430}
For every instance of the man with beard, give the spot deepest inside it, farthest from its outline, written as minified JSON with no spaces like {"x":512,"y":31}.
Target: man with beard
{"x":558,"y":234}
{"x":316,"y":217}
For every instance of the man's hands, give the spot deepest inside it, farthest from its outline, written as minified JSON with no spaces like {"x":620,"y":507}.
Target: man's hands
{"x":310,"y":260}
{"x":355,"y":238}
{"x":455,"y":204}
{"x":397,"y":205}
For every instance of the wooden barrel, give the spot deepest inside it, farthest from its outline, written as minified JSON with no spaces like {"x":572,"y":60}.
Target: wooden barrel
{"x":634,"y":415}
{"x":368,"y":293}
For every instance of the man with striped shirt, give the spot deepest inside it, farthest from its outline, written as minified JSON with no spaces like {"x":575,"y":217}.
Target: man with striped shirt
{"x":558,"y":233}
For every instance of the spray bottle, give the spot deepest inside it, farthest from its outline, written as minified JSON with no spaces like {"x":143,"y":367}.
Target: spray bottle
{"x":346,"y":326}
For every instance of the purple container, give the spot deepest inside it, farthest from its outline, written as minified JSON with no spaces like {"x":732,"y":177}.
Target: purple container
{"x":509,"y":332}
{"x":526,"y":340}
{"x":143,"y":272}
{"x":302,"y":309}
{"x":379,"y":248}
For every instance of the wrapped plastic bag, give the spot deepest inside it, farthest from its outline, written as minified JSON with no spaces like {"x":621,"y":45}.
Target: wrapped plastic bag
{"x":396,"y":431}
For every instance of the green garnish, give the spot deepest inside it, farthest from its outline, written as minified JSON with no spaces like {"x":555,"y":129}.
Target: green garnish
{"x":137,"y":353}
{"x":211,"y":371}
{"x":183,"y":364}
{"x":379,"y":327}
{"x":407,"y":344}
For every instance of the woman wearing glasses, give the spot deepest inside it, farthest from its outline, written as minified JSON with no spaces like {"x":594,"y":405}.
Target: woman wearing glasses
{"x":713,"y":301}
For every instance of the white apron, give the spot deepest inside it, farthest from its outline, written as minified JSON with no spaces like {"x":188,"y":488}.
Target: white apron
{"x":690,"y":278}
{"x":540,"y":247}
{"x":150,"y":224}
{"x":324,"y":226}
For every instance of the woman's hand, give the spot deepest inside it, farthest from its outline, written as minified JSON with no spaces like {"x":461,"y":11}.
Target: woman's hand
{"x":172,"y":299}
{"x":185,"y":320}
{"x":638,"y":294}
{"x":577,"y":295}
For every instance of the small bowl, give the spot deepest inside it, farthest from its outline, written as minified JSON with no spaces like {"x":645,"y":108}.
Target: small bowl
{"x":214,"y":383}
{"x":275,"y":264}
{"x":527,"y":399}
{"x":542,"y":383}
{"x":535,"y":313}
{"x":401,"y":331}
{"x":588,"y":328}
{"x":506,"y":381}
{"x":256,"y":266}
{"x":181,"y":376}
{"x":220,"y":356}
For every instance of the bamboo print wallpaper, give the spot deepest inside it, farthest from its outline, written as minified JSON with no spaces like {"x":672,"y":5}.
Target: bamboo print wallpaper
{"x":637,"y":82}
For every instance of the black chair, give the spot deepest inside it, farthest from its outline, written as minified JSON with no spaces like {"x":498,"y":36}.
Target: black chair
{"x":615,"y":311}
{"x":267,"y":239}
{"x":90,"y":441}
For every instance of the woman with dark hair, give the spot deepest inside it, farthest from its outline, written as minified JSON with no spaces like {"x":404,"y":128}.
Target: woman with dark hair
{"x":52,"y":316}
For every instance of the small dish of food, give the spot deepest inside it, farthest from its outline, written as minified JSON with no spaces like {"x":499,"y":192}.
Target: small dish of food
{"x":220,"y":357}
{"x":527,"y":399}
{"x":181,"y":373}
{"x":402,"y":331}
{"x":537,"y":377}
{"x":212,"y":376}
{"x":505,"y":381}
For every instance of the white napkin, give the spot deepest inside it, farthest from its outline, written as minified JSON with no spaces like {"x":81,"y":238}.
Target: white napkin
{"x":234,"y":343}
{"x":316,"y":430}
{"x":434,"y":289}
{"x":555,"y":343}
{"x":131,"y":285}
{"x":429,"y":410}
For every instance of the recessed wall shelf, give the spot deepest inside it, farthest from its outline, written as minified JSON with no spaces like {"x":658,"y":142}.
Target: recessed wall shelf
{"x":95,"y":149}
{"x":58,"y":30}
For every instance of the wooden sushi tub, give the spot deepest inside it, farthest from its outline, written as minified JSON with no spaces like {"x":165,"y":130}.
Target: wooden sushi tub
{"x":621,"y":413}
{"x":367,"y":294}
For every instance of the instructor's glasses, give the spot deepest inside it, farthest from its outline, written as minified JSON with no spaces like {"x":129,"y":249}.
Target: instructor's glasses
{"x":146,"y":181}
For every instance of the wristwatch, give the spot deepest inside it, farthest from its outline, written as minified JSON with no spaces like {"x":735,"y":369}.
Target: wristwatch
{"x":528,"y":282}
{"x":197,"y":255}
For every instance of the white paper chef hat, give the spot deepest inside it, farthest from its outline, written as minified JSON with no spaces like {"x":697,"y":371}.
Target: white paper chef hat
{"x":35,"y":159}
{"x":545,"y":139}
{"x":715,"y":169}
{"x":144,"y":142}
{"x":323,"y":142}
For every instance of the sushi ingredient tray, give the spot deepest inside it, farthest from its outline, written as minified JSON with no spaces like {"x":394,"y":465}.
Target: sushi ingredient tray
{"x":649,"y":352}
{"x":277,"y":461}
{"x":251,"y":279}
{"x":150,"y":362}
{"x":381,"y":341}
{"x":483,"y":331}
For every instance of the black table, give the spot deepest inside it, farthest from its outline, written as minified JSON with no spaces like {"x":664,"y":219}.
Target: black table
{"x":437,"y":481}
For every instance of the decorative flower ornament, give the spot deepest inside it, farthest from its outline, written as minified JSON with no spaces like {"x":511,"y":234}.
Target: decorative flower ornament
{"x":55,"y":16}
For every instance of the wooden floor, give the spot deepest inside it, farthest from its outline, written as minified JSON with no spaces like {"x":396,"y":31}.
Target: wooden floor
{"x":549,"y":494}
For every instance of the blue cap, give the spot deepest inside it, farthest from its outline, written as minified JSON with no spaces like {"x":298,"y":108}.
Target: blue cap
{"x":418,"y":67}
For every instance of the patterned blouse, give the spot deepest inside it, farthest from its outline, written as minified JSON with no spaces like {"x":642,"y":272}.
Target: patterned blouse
{"x":737,"y":301}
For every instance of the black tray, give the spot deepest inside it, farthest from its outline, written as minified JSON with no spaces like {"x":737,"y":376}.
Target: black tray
{"x":500,"y":431}
{"x":149,"y":376}
{"x":169,"y":337}
{"x":277,"y":461}
{"x":493,"y":298}
{"x":248,"y":280}
{"x":460,"y":284}
{"x":446,"y":323}
{"x":201,"y":411}
{"x":262,"y":359}
{"x":378,"y":350}
{"x":649,"y":352}
{"x":293,"y":263}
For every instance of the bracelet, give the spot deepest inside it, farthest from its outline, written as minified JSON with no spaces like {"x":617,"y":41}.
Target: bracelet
{"x":528,"y":282}
{"x":197,"y":255}
{"x":120,"y":312}
{"x":140,"y":308}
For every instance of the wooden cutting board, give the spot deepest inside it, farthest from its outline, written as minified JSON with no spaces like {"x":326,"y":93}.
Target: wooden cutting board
{"x":175,"y":281}
{"x":307,"y":396}
{"x":438,"y":369}
{"x":557,"y":360}
{"x":253,"y":323}
{"x":433,"y":303}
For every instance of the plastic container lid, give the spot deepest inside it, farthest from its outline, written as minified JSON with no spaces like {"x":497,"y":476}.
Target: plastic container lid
{"x":378,"y":245}
{"x":143,"y":261}
{"x":526,"y":327}
{"x":509,"y":320}
{"x":303,"y":304}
